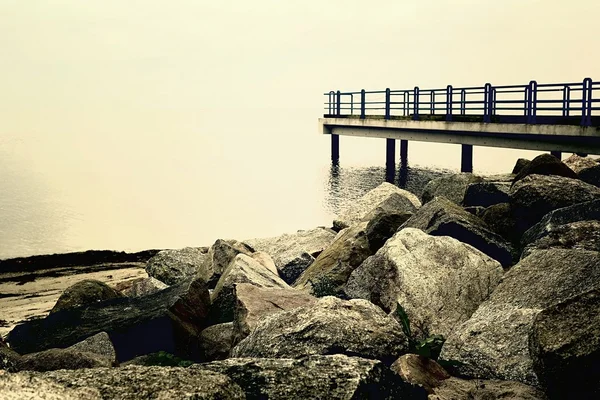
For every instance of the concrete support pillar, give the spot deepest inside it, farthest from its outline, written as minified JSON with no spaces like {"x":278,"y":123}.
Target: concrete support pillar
{"x":466,"y":159}
{"x":335,"y":148}
{"x":404,"y":151}
{"x":557,"y":154}
{"x":390,"y":160}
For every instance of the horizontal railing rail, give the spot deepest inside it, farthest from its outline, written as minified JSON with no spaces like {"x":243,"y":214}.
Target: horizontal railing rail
{"x":556,"y":103}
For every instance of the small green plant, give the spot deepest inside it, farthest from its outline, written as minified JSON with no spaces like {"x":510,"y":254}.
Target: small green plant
{"x":429,"y":347}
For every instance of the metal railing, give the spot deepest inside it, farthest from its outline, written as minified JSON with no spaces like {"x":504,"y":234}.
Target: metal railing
{"x":553,"y":103}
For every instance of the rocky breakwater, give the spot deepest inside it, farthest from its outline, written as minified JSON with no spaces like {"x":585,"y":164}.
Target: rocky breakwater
{"x":489,"y":290}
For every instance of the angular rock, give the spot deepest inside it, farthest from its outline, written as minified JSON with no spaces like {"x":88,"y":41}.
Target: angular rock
{"x":329,"y":326}
{"x":485,"y":194}
{"x":494,"y":342}
{"x":439,"y":281}
{"x":581,"y":235}
{"x":420,"y":371}
{"x":128,"y":383}
{"x":585,"y":211}
{"x":216,"y":341}
{"x":220,"y":255}
{"x":293,"y":253}
{"x":265,"y":260}
{"x":314,"y":377}
{"x":99,"y":344}
{"x":385,"y":220}
{"x":84,"y":293}
{"x":578,"y":163}
{"x":55,"y":359}
{"x":370,"y":201}
{"x":243,"y":269}
{"x":452,"y":187}
{"x":501,"y":220}
{"x":254,"y":304}
{"x":565,"y":347}
{"x":545,"y":164}
{"x":332,"y":268}
{"x":520,"y":164}
{"x":476,"y":389}
{"x":536,"y":195}
{"x":590,"y":175}
{"x":169,"y":320}
{"x":175,"y":266}
{"x":141,"y":287}
{"x":441,"y":217}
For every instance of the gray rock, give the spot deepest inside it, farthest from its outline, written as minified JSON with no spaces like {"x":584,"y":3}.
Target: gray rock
{"x":54,"y":359}
{"x":329,"y":326}
{"x":358,"y":211}
{"x":536,"y":195}
{"x":97,"y":344}
{"x":216,"y":341}
{"x":501,"y":220}
{"x":142,"y":287}
{"x":520,"y":164}
{"x":169,"y":320}
{"x":439,"y":281}
{"x":84,"y":293}
{"x":128,"y":383}
{"x":452,"y":187}
{"x":9,"y":359}
{"x":332,"y":268}
{"x":590,"y":175}
{"x":420,"y":371}
{"x":585,"y":211}
{"x":477,"y":389}
{"x":578,"y":163}
{"x":441,"y":217}
{"x":565,"y":347}
{"x":220,"y":255}
{"x":293,"y":253}
{"x":175,"y":266}
{"x":494,"y":342}
{"x":386,"y":218}
{"x":545,"y":164}
{"x":582,"y":235}
{"x":253,"y":304}
{"x":314,"y":377}
{"x":243,"y":269}
{"x":485,"y":194}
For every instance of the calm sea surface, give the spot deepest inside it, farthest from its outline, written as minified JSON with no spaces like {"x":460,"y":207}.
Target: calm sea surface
{"x":224,"y":175}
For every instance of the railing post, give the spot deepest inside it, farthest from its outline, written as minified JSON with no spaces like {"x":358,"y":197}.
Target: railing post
{"x":416,"y":104}
{"x":432,"y":102}
{"x":351,"y":104}
{"x":532,"y":103}
{"x":463,"y":102}
{"x":586,"y":102}
{"x":487,"y":97}
{"x":566,"y":101}
{"x":449,"y":103}
{"x":387,"y":103}
{"x":406,"y":103}
{"x":493,"y":105}
{"x":339,"y":103}
{"x":331,"y":100}
{"x":362,"y":104}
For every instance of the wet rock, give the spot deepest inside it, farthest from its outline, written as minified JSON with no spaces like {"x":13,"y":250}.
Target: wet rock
{"x":332,"y":268}
{"x":169,"y":320}
{"x":520,"y":164}
{"x":314,"y":377}
{"x":55,"y":359}
{"x":175,"y":266}
{"x":128,"y":383}
{"x":581,"y":235}
{"x":565,"y":347}
{"x":253,"y":304}
{"x":217,"y":341}
{"x":476,"y":389}
{"x":220,"y":255}
{"x":293,"y":253}
{"x":485,"y":194}
{"x":452,"y":187}
{"x":142,"y":287}
{"x":441,"y":217}
{"x":370,"y":201}
{"x":420,"y":371}
{"x":329,"y":326}
{"x":243,"y":269}
{"x":590,"y":175}
{"x":578,"y":163}
{"x":494,"y":342}
{"x":535,"y":196}
{"x":84,"y":293}
{"x":99,"y":344}
{"x":545,"y":164}
{"x":439,"y":281}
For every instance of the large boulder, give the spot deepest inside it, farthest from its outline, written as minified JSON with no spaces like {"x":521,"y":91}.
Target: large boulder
{"x":219,"y":256}
{"x":332,"y":268}
{"x":293,"y":253}
{"x":578,"y":163}
{"x":536,"y":195}
{"x":99,"y":344}
{"x":84,"y":293}
{"x":501,"y":220}
{"x":329,"y":326}
{"x":494,"y":342}
{"x":54,"y":359}
{"x":420,"y":371}
{"x":128,"y":383}
{"x":314,"y":377}
{"x":366,"y":204}
{"x":176,"y":266}
{"x":590,"y":175}
{"x":385,"y":220}
{"x":519,"y":165}
{"x":253,"y":304}
{"x":438,"y":281}
{"x":441,"y":217}
{"x":545,"y":164}
{"x":169,"y":320}
{"x":485,"y":194}
{"x":242,"y":269}
{"x":141,"y":287}
{"x":9,"y":359}
{"x":565,"y":347}
{"x":582,"y":235}
{"x":452,"y":187}
{"x":216,"y":341}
